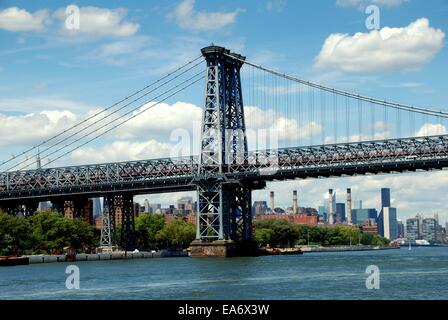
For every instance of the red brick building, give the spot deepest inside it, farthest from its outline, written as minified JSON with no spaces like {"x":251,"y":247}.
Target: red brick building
{"x":309,"y":220}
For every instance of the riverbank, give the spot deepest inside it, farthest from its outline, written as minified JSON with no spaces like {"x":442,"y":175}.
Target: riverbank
{"x":311,"y":249}
{"x":33,"y":259}
{"x":122,"y":255}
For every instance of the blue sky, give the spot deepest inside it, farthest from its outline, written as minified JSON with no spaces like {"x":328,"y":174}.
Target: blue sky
{"x":50,"y":78}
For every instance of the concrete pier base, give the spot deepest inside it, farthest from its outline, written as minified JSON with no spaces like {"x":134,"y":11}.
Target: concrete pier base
{"x":222,"y":248}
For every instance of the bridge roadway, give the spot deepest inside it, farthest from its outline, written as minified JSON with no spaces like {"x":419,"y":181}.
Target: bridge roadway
{"x":180,"y":174}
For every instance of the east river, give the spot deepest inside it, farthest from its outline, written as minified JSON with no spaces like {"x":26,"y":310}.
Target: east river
{"x":420,"y":273}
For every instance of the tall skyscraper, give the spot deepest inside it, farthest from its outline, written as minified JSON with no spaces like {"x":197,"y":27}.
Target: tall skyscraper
{"x":385,"y":197}
{"x":96,"y":207}
{"x":387,"y":223}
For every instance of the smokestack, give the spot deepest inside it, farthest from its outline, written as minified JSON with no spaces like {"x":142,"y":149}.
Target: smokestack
{"x":272,"y":201}
{"x":295,"y":208}
{"x":330,"y":207}
{"x":348,"y":206}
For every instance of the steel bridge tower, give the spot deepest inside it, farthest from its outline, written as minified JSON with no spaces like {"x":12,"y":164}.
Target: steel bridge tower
{"x":224,"y":220}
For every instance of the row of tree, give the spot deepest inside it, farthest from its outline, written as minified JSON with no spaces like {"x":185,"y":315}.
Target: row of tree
{"x":282,"y":233}
{"x":50,"y":232}
{"x":153,"y":233}
{"x":44,"y":232}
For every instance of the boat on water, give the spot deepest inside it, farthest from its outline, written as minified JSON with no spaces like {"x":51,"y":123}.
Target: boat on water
{"x":8,"y":261}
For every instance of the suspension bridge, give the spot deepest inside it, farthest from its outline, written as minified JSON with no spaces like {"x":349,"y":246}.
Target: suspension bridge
{"x":287,"y":128}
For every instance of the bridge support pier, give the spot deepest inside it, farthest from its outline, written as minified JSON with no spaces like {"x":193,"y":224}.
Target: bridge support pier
{"x":128,"y":222}
{"x":224,"y":222}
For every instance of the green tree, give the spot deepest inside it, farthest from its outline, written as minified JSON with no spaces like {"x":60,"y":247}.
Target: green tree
{"x":177,"y":234}
{"x":81,"y":236}
{"x":146,"y":227}
{"x":50,"y":232}
{"x":263,"y":236}
{"x":283,"y":232}
{"x":14,"y":235}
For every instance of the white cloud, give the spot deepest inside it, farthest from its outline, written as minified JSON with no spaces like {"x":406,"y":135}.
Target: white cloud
{"x":390,"y":49}
{"x":19,"y":20}
{"x":122,"y":151}
{"x":34,"y":127}
{"x":100,"y":22}
{"x":188,"y":18}
{"x":161,"y":120}
{"x":284,"y":128}
{"x":364,"y":3}
{"x":431,"y":129}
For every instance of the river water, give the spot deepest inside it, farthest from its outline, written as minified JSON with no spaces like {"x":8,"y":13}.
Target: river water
{"x":421,"y":273}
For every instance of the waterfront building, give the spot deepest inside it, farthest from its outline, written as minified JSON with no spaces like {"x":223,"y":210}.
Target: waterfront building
{"x":361,"y":216}
{"x":429,"y":226}
{"x":259,"y":207}
{"x":340,"y":212}
{"x":387,"y":223}
{"x":147,"y":206}
{"x":191,"y":218}
{"x":300,"y":218}
{"x":98,"y":222}
{"x":43,"y":206}
{"x":155,"y":208}
{"x":323,"y":212}
{"x":400,"y":229}
{"x":184,"y":206}
{"x":370,"y":227}
{"x":413,"y":229}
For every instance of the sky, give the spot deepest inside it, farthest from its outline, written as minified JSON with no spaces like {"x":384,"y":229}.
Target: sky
{"x":51,"y":77}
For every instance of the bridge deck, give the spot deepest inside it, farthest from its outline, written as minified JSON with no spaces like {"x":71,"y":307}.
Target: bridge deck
{"x":179,"y":174}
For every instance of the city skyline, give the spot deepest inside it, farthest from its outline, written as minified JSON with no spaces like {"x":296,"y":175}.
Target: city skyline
{"x":283,"y":200}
